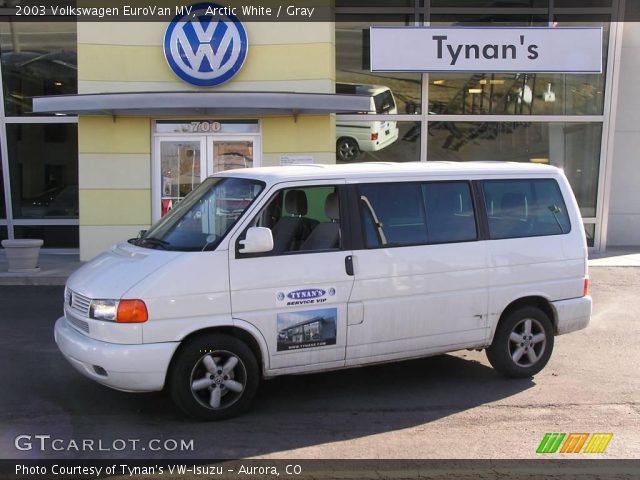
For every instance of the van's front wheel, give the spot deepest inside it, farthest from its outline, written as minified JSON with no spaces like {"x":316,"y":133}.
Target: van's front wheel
{"x":522,"y":344}
{"x":214,"y":377}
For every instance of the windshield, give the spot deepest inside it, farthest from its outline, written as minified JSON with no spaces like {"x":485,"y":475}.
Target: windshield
{"x":202,"y":219}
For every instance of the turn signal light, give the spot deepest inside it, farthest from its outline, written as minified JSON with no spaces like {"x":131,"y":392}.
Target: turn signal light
{"x":374,"y":136}
{"x":585,"y":290}
{"x":132,"y":311}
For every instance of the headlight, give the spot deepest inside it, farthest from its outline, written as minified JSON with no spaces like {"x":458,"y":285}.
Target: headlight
{"x":121,"y":311}
{"x":104,"y":310}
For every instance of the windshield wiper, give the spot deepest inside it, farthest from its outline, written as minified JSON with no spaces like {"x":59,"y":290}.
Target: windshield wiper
{"x":156,"y":242}
{"x":136,"y":240}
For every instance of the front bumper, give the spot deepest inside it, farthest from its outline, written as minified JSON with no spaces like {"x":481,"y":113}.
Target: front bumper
{"x":131,"y":368}
{"x":573,"y":314}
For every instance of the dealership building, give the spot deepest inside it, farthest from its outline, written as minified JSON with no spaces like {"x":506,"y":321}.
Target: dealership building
{"x":105,"y":126}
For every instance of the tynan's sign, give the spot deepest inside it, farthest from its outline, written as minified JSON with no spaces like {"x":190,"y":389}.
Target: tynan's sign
{"x":206,"y":45}
{"x":486,"y":49}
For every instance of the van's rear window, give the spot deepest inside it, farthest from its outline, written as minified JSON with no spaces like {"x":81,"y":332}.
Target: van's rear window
{"x":525,"y":208}
{"x":384,"y":102}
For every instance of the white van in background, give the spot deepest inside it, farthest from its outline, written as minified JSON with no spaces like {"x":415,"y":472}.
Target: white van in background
{"x":352,"y":138}
{"x":322,"y":267}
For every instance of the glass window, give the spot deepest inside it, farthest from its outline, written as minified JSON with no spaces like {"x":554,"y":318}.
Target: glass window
{"x":229,"y":154}
{"x":400,"y":214}
{"x":490,"y":3}
{"x":574,"y":147}
{"x":180,"y":165}
{"x":377,"y":141}
{"x":3,"y":207}
{"x":38,"y":58}
{"x":203,"y":218}
{"x":590,"y":232}
{"x":54,"y":236}
{"x":582,"y":3}
{"x":3,"y":233}
{"x":353,"y":68}
{"x":303,"y":219}
{"x":376,"y":3}
{"x":450,"y":216}
{"x":393,"y":214}
{"x":525,"y":208}
{"x":519,"y":93}
{"x":43,"y":168}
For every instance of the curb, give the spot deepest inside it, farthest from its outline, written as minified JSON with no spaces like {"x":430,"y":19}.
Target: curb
{"x":33,"y":281}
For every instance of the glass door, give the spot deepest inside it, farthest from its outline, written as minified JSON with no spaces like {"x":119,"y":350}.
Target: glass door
{"x":182,"y":168}
{"x":229,"y":152}
{"x":181,"y":162}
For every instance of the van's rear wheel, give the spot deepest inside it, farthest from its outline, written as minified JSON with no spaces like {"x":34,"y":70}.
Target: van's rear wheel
{"x":522,"y":344}
{"x":347,"y":149}
{"x":213,"y":377}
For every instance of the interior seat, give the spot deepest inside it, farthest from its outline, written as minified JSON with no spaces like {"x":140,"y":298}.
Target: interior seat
{"x":292,"y":228}
{"x":326,"y":235}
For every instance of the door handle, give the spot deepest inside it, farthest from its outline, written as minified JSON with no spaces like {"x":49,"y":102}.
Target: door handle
{"x":348,"y":265}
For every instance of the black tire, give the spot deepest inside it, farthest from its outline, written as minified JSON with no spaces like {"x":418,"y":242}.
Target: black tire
{"x":525,"y":356}
{"x":347,"y":149}
{"x":191,"y":365}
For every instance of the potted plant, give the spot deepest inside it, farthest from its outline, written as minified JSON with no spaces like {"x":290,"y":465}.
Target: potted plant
{"x":22,"y":254}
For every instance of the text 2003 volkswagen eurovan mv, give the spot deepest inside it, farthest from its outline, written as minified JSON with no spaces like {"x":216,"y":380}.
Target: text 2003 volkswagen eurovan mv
{"x":269,"y":271}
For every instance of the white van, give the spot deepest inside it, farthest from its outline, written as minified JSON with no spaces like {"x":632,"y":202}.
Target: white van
{"x":352,"y":138}
{"x":280,"y":270}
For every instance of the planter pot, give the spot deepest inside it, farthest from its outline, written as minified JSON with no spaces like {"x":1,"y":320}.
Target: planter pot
{"x":22,"y":255}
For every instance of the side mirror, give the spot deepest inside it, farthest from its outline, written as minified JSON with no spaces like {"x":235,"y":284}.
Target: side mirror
{"x":257,"y":240}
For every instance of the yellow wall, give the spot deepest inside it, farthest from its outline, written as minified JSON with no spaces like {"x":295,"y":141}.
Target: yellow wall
{"x":114,"y":178}
{"x":115,"y":153}
{"x":134,"y":63}
{"x":287,"y":56}
{"x":309,"y":134}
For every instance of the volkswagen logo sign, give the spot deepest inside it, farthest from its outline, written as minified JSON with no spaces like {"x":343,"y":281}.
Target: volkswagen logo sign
{"x":205,"y":47}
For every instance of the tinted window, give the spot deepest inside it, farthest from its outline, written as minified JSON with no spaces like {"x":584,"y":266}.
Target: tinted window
{"x":43,"y":167}
{"x":416,"y":213}
{"x":38,"y":58}
{"x":384,"y":102}
{"x":450,"y":215}
{"x":525,"y":208}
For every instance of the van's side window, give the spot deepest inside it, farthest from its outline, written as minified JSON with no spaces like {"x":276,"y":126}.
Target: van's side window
{"x":416,"y":213}
{"x":450,"y":216}
{"x":303,"y":219}
{"x":525,"y":208}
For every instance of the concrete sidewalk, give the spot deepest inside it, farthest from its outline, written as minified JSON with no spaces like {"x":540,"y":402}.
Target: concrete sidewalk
{"x":55,"y":268}
{"x":616,"y":257}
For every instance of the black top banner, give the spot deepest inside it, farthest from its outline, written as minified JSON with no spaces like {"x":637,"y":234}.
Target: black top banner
{"x":306,"y":10}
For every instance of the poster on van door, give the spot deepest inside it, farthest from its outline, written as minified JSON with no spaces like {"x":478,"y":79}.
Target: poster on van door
{"x":307,"y":329}
{"x":305,"y":296}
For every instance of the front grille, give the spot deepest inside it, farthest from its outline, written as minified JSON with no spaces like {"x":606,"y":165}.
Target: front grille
{"x":80,"y":324}
{"x":80,"y":303}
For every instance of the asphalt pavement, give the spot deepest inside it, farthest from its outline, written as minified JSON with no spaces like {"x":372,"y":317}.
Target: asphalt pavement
{"x":449,"y":406}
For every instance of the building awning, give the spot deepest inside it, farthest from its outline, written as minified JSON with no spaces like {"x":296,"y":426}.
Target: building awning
{"x":201,"y":103}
